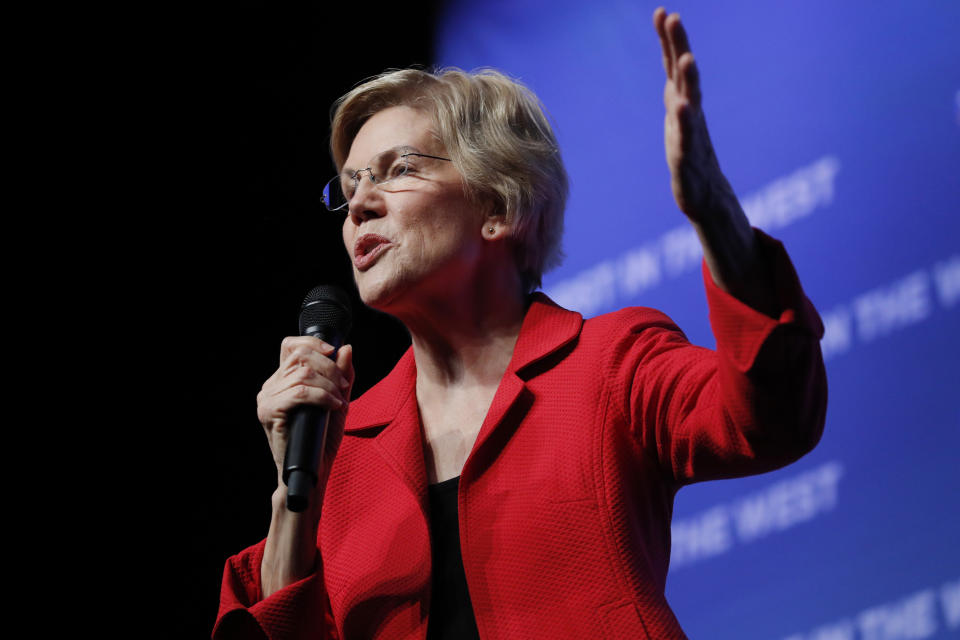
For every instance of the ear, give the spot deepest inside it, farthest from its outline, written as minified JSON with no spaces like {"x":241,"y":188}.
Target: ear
{"x":495,"y":227}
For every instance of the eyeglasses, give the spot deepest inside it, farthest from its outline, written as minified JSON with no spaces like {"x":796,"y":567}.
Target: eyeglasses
{"x":389,"y":171}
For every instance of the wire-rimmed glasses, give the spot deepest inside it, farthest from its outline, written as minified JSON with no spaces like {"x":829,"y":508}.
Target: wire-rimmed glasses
{"x":387,"y":171}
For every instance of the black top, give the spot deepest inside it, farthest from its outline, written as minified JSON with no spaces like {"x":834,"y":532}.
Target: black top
{"x":451,"y":615}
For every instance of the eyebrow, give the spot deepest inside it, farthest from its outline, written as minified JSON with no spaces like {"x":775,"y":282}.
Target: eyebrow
{"x":400,"y":149}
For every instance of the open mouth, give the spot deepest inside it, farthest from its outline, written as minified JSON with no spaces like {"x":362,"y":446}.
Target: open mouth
{"x":367,"y":249}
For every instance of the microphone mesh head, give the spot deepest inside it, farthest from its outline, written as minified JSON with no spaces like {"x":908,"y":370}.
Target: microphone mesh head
{"x":326,"y":310}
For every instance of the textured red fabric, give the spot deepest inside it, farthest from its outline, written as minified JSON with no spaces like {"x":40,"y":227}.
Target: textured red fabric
{"x":566,"y":498}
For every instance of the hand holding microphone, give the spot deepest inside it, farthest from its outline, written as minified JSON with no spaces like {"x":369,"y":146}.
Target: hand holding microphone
{"x":302,"y":406}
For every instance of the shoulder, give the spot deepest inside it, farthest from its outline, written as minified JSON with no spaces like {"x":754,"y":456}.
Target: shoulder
{"x":630,"y":320}
{"x":625,"y":339}
{"x":626,"y":320}
{"x":619,"y":336}
{"x":630,"y":328}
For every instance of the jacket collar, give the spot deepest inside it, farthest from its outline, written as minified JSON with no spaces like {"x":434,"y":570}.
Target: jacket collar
{"x":546,"y":329}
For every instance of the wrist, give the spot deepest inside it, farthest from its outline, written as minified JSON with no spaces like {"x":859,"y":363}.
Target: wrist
{"x":291,"y":552}
{"x":278,"y":500}
{"x":732,"y":253}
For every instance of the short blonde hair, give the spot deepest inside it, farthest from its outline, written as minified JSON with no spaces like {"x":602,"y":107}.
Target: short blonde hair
{"x":495,"y":131}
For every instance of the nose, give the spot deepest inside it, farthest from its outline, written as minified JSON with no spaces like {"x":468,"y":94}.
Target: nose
{"x":367,"y":201}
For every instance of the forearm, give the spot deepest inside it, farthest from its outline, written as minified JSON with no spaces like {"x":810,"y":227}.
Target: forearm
{"x":770,"y":367}
{"x":291,"y":552}
{"x":731,"y":252}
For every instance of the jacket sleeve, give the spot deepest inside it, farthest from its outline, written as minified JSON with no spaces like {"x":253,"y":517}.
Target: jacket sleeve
{"x":299,"y":611}
{"x":755,"y":404}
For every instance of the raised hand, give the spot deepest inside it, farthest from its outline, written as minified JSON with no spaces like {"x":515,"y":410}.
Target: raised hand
{"x":699,"y":186}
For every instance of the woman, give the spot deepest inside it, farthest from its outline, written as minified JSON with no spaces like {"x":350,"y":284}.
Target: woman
{"x":557,"y":444}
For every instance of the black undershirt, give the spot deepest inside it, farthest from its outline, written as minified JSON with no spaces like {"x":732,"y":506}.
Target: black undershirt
{"x":451,"y":615}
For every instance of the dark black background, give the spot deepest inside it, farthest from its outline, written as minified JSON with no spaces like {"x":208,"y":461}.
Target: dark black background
{"x":243,"y":118}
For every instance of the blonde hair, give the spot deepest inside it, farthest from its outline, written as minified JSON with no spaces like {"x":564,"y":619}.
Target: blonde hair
{"x":495,"y":131}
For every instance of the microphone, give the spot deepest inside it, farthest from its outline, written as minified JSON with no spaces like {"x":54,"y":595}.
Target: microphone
{"x":325,"y":314}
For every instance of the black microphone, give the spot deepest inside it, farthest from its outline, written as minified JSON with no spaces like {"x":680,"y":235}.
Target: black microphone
{"x":325,"y":314}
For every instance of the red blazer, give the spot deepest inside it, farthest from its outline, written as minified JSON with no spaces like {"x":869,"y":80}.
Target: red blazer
{"x":566,"y":498}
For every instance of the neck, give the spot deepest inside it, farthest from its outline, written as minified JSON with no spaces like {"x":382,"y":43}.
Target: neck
{"x":466,"y":337}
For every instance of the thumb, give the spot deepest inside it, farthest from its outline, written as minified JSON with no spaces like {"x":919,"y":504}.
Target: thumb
{"x":345,"y":364}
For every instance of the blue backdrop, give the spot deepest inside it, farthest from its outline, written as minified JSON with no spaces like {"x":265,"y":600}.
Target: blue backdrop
{"x":838,"y":123}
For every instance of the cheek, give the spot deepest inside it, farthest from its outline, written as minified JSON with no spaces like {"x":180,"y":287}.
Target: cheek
{"x":455,"y":218}
{"x":347,"y":234}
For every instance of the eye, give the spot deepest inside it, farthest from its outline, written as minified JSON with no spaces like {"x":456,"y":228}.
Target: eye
{"x":349,"y":186}
{"x":398,"y":168}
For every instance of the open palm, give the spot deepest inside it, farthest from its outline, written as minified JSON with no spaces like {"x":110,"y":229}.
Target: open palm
{"x":695,"y":175}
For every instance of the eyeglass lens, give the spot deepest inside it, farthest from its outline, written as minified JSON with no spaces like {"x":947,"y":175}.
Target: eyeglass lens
{"x":384,"y":168}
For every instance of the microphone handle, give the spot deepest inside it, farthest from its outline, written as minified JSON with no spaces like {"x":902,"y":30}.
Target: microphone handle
{"x":308,"y":430}
{"x":305,"y":444}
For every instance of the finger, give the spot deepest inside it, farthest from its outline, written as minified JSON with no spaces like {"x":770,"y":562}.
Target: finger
{"x":659,"y":20}
{"x":305,"y":357}
{"x":678,"y":45}
{"x":302,"y":394}
{"x":293,"y":342}
{"x":307,"y":377}
{"x":274,"y":406}
{"x":668,"y":27}
{"x":677,"y":36}
{"x":691,"y":78}
{"x":658,"y":16}
{"x":345,"y":365}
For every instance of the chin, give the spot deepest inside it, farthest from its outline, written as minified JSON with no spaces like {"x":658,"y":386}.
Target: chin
{"x":377,"y":293}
